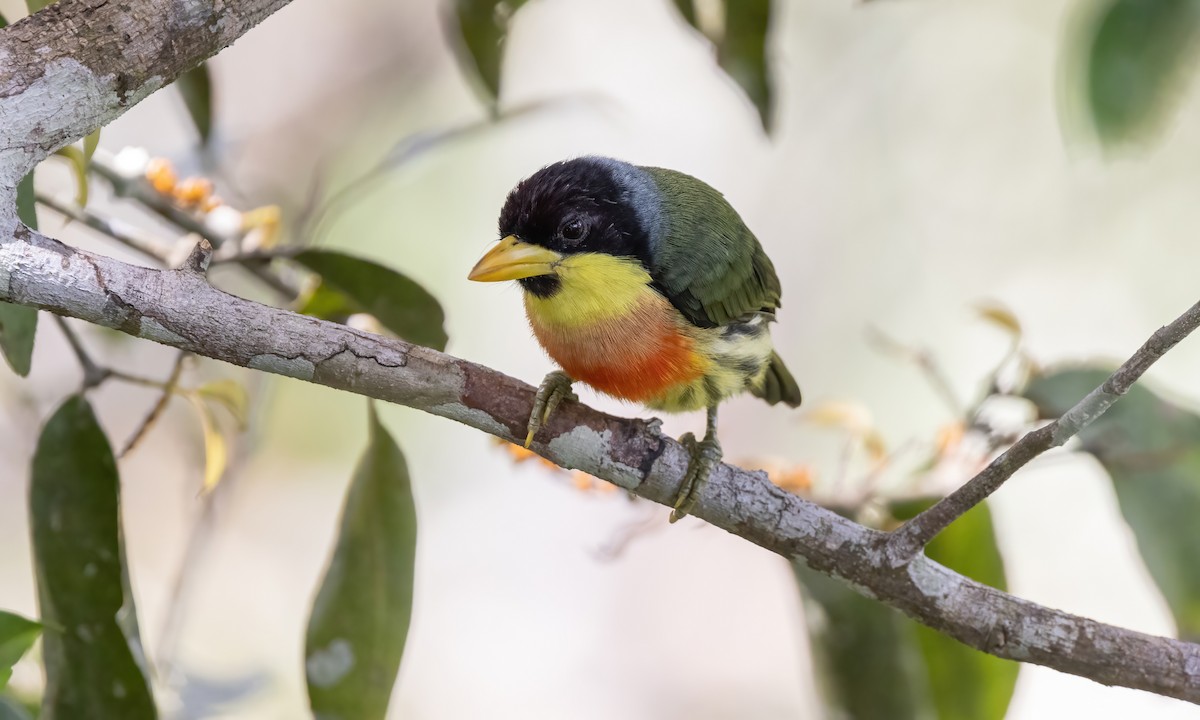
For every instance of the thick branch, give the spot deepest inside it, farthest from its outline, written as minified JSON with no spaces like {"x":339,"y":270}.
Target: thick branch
{"x":181,"y":309}
{"x":908,"y":540}
{"x":78,"y":64}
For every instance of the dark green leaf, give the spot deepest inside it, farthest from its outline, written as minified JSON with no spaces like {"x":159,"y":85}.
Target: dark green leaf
{"x":399,"y":304}
{"x":687,"y":9}
{"x":27,"y":202}
{"x":361,"y":614}
{"x":965,"y":682}
{"x":1137,"y":54}
{"x":3,"y":22}
{"x":743,"y":52}
{"x":16,"y":637}
{"x":195,"y":86}
{"x":18,"y":325}
{"x":482,"y":30}
{"x":91,"y":668}
{"x":866,"y":657}
{"x":1151,"y":450}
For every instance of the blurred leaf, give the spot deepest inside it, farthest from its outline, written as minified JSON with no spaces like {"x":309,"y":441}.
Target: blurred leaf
{"x":965,"y":682}
{"x":91,"y":141}
{"x":361,"y":614}
{"x":482,"y":30}
{"x":18,"y":324}
{"x":1151,"y":450}
{"x":12,"y":709}
{"x":1136,"y":56}
{"x":216,"y":451}
{"x":867,"y":662}
{"x":195,"y":86}
{"x":91,"y":669}
{"x":35,"y":5}
{"x":742,"y":52}
{"x":398,"y":303}
{"x":229,"y":394}
{"x":16,"y":637}
{"x":1000,"y":316}
{"x":687,"y":8}
{"x":79,"y":166}
{"x":27,"y":202}
{"x":3,"y":24}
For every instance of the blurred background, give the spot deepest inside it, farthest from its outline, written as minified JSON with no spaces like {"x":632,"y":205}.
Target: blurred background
{"x":918,"y":164}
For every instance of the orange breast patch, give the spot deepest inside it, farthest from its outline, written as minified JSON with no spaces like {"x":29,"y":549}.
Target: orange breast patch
{"x":637,"y":356}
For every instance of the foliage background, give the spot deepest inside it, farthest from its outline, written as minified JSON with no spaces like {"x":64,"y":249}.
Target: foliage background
{"x":918,"y":164}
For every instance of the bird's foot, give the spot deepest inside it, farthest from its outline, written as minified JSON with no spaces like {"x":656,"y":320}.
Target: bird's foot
{"x":706,"y":455}
{"x":553,"y":390}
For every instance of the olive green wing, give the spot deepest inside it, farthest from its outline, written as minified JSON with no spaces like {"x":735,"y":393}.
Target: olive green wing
{"x":707,"y":262}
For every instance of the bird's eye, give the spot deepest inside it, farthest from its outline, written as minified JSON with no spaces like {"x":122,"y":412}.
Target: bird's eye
{"x":574,"y":230}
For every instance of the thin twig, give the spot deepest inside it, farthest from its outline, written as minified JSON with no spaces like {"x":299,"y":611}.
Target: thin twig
{"x":160,"y":405}
{"x":93,"y":374}
{"x":122,"y":233}
{"x":906,"y":541}
{"x":139,"y":190}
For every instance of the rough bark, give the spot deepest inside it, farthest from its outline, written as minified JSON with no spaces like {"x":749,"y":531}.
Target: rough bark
{"x":81,"y":63}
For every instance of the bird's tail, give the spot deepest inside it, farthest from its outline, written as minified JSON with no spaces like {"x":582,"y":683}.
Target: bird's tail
{"x":777,"y":384}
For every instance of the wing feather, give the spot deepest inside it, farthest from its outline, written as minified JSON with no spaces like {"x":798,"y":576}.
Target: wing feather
{"x":707,"y":262}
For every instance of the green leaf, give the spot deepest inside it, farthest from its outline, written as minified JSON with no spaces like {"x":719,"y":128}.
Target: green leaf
{"x":35,"y":5}
{"x":27,"y":202}
{"x":16,"y":637}
{"x":867,"y":661}
{"x":482,"y":30}
{"x":742,"y":52}
{"x":3,"y":22}
{"x":687,"y":9}
{"x":1136,"y":56}
{"x":195,"y":86}
{"x":92,"y":669}
{"x":361,"y":614}
{"x":1151,"y":449}
{"x":18,"y":325}
{"x":399,"y":304}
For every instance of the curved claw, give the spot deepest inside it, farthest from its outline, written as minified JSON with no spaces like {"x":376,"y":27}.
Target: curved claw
{"x":553,"y":390}
{"x":706,"y":455}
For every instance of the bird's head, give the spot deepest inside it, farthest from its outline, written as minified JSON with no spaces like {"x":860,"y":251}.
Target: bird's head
{"x":569,"y":216}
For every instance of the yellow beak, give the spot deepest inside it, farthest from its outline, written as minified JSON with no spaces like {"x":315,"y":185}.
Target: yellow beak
{"x":513,"y":260}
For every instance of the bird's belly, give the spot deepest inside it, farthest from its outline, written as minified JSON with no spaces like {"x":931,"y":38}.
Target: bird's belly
{"x":651,"y":355}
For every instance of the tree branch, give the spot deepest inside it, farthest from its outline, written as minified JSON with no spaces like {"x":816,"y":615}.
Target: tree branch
{"x":909,"y":539}
{"x":179,"y":308}
{"x":79,"y":64}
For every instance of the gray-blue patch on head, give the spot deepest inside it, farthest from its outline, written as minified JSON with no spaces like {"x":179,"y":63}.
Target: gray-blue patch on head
{"x":641,"y":194}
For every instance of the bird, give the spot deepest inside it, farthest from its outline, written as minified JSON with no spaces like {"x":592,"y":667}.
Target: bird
{"x":645,"y":284}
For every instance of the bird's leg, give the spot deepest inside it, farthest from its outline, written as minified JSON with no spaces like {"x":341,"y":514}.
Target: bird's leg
{"x":553,"y":390}
{"x":706,"y":454}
